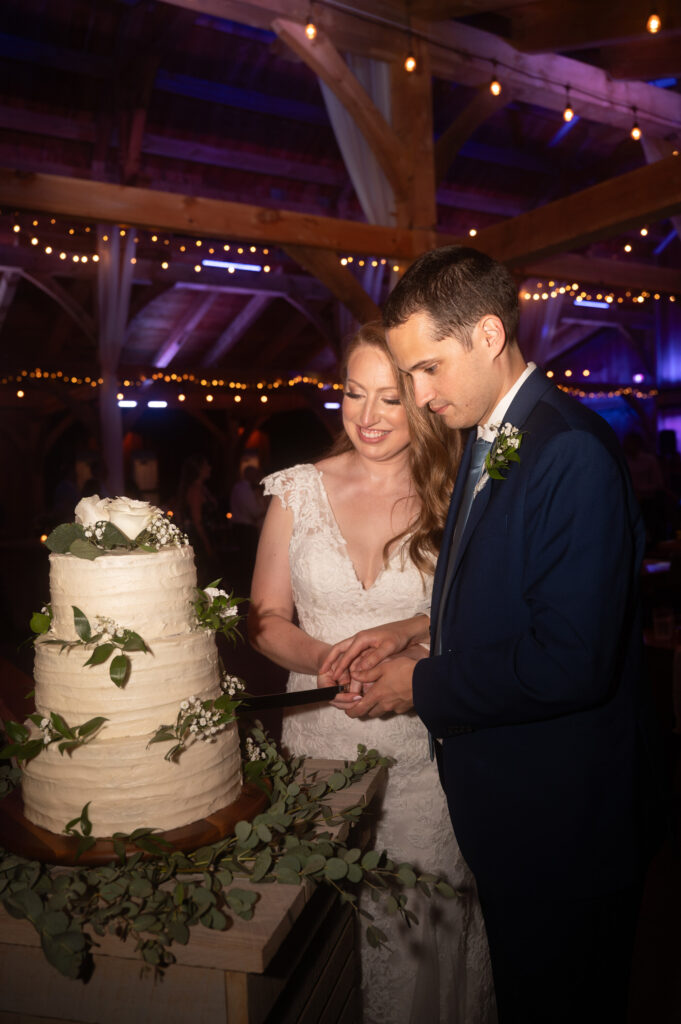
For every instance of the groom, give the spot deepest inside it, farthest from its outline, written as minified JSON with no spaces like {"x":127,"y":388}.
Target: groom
{"x":532,"y":690}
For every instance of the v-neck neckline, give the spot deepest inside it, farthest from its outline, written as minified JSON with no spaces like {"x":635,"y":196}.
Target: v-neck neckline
{"x":343,"y":541}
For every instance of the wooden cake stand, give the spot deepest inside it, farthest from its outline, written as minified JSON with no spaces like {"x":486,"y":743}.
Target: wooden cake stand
{"x":22,"y":837}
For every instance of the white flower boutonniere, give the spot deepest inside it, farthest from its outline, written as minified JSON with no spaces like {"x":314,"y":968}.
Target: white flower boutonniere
{"x":503,"y":452}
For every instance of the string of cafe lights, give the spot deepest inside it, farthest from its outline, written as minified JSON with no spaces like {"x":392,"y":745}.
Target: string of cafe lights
{"x":183,"y":245}
{"x":652,"y":25}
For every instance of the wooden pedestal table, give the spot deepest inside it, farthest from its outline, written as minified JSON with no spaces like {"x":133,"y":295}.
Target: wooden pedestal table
{"x":295,"y":961}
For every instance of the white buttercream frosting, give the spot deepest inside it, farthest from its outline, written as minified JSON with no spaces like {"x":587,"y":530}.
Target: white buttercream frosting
{"x":128,"y":783}
{"x":148,"y":592}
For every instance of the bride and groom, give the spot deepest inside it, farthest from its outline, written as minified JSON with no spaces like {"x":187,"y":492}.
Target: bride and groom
{"x":530,"y":691}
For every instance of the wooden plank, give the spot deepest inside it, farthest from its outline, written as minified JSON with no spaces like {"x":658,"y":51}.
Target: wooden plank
{"x":211,"y":218}
{"x":119,"y":990}
{"x":629,"y":201}
{"x":324,"y":59}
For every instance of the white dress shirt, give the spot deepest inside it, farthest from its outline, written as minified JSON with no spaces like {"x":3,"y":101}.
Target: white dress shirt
{"x":486,"y":430}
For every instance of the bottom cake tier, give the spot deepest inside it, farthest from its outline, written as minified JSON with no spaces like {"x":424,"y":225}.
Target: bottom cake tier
{"x":129,"y":785}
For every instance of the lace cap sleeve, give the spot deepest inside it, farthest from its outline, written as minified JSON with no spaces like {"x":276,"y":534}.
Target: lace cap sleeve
{"x":292,"y":486}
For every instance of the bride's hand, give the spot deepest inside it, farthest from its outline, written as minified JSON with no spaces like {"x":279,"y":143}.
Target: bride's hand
{"x":365,"y":650}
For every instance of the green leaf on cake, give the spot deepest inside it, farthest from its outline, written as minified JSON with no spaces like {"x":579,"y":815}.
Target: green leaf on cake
{"x":16,"y":732}
{"x":100,"y":654}
{"x":61,"y":727}
{"x":88,"y":728}
{"x":81,"y":624}
{"x":82,"y":548}
{"x":62,"y":537}
{"x":134,"y":642}
{"x":119,"y":670}
{"x":40,"y":623}
{"x":112,"y":537}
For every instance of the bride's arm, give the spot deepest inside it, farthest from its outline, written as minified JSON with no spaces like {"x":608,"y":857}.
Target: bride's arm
{"x":270,"y":618}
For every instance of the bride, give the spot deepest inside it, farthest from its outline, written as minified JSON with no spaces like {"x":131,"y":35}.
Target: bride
{"x":350,"y":543}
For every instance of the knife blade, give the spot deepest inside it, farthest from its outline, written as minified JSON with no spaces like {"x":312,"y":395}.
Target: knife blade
{"x":292,"y":699}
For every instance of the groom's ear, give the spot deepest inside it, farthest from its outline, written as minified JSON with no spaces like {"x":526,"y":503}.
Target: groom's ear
{"x":493,"y":334}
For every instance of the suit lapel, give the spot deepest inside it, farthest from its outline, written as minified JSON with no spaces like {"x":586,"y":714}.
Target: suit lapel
{"x":457,"y":493}
{"x":520,"y":408}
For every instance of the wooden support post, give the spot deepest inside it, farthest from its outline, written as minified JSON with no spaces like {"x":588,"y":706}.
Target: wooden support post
{"x":412,"y":120}
{"x":114,"y":281}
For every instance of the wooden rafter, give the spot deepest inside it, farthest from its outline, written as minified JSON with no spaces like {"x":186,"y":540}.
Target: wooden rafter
{"x":606,"y":273}
{"x":633,"y":199}
{"x":464,"y":54}
{"x":236,"y":329}
{"x":183,"y":329}
{"x":480,"y":108}
{"x":55,"y":291}
{"x":654,"y":57}
{"x":340,"y":281}
{"x":324,"y":59}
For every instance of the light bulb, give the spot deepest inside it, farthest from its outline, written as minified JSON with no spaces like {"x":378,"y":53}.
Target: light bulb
{"x":410,"y":63}
{"x":568,"y":113}
{"x":653,"y":23}
{"x":635,"y":132}
{"x":495,"y":86}
{"x":310,"y":29}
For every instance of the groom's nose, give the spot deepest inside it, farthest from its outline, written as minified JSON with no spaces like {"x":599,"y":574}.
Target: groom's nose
{"x":423,"y":392}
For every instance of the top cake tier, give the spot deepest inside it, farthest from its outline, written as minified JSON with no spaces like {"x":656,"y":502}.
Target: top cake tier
{"x":151,"y":593}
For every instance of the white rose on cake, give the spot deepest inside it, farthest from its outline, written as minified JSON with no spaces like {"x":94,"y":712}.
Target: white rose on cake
{"x":92,"y":510}
{"x":130,"y":515}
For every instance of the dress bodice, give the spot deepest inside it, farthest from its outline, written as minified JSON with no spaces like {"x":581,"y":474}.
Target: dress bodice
{"x":330,"y":599}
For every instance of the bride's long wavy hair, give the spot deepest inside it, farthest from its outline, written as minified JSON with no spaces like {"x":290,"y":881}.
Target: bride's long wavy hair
{"x":434,"y":457}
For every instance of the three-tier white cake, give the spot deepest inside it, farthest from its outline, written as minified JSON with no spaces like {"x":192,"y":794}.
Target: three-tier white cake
{"x":128,"y":783}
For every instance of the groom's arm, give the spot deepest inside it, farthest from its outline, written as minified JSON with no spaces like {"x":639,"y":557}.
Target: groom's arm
{"x":579,"y":549}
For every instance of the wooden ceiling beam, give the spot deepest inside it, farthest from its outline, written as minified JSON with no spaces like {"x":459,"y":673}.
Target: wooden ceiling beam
{"x":183,"y":329}
{"x":324,"y":59}
{"x":211,"y":218}
{"x":602,"y":272}
{"x":340,"y":281}
{"x":464,"y":54}
{"x":481,"y":107}
{"x":648,"y":194}
{"x":236,"y":329}
{"x":652,"y":58}
{"x":579,"y":24}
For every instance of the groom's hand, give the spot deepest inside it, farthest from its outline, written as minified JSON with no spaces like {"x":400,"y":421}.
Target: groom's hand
{"x":368,"y":648}
{"x":390,"y":694}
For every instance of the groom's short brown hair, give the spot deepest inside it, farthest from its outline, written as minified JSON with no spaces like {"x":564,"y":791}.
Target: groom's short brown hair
{"x":455,"y":286}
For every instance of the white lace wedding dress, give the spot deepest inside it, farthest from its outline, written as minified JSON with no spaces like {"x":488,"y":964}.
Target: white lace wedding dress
{"x":438,"y":970}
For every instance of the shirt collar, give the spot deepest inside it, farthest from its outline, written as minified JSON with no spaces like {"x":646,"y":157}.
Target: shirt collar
{"x":486,"y":430}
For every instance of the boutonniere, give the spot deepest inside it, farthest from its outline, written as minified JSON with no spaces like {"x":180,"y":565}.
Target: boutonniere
{"x":503,"y":452}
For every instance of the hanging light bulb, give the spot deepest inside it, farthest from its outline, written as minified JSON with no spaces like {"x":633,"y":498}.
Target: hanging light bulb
{"x":410,"y":62}
{"x":635,"y":130}
{"x":654,"y":23}
{"x":495,"y":84}
{"x":310,"y":28}
{"x":568,"y":113}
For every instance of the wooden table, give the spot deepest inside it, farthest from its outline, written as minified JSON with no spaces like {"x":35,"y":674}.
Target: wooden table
{"x":296,"y":961}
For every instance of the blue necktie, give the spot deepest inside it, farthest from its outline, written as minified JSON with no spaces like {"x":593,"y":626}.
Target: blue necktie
{"x":480,"y":450}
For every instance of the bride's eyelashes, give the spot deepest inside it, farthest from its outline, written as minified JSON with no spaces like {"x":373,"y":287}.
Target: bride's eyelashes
{"x":388,"y":401}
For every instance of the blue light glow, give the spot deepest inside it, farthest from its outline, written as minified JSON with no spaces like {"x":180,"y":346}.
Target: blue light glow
{"x":157,"y":404}
{"x":591,"y":303}
{"x":230,"y":266}
{"x":127,"y":403}
{"x":332,"y":405}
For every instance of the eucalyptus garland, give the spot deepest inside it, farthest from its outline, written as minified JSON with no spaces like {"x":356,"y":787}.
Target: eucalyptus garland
{"x":157,"y":902}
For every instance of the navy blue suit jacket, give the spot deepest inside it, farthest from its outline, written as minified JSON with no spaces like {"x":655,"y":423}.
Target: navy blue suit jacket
{"x":537,"y":693}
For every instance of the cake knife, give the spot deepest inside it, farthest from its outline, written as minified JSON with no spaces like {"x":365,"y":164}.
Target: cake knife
{"x":292,"y":699}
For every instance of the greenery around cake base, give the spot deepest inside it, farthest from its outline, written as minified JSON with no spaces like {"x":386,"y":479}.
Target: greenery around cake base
{"x":155,"y":903}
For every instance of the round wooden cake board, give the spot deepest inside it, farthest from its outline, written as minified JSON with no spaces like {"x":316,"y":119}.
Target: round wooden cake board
{"x":21,"y":836}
